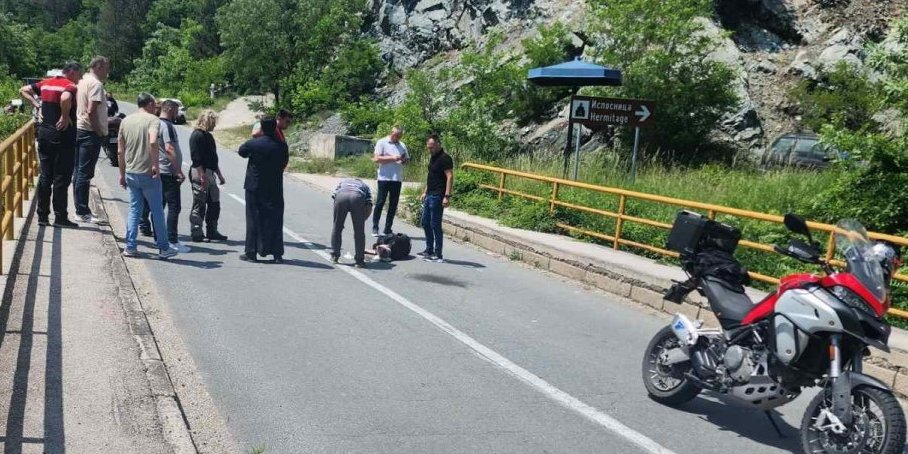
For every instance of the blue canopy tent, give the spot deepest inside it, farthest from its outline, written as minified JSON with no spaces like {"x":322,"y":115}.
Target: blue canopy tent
{"x":576,"y":73}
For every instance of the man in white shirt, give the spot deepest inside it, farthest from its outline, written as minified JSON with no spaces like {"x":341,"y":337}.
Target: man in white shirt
{"x":390,"y":155}
{"x":91,"y":132}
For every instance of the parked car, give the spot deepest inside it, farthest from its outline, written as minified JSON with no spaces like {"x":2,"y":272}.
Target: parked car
{"x":181,"y":111}
{"x":801,"y":150}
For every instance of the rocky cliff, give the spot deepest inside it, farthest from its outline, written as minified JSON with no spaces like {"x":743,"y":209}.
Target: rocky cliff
{"x":773,"y":44}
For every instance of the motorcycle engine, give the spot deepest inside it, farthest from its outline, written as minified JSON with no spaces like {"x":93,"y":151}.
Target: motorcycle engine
{"x":739,"y":363}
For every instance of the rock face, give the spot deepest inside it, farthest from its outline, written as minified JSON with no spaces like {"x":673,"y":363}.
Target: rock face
{"x":844,"y":46}
{"x":412,"y":31}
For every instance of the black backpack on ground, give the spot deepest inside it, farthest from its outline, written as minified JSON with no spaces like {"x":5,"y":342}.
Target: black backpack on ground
{"x":399,"y":243}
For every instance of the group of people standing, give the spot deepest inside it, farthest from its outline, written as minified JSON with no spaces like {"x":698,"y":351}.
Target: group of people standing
{"x":72,"y":128}
{"x":150,"y":163}
{"x":354,"y":198}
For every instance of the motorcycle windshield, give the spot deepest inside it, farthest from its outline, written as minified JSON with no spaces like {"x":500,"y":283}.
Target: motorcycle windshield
{"x":854,"y":244}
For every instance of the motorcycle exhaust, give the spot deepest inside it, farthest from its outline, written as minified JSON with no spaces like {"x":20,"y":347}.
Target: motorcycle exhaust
{"x":686,"y":330}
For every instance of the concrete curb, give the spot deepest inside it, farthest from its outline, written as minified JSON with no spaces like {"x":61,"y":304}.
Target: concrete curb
{"x":625,"y":282}
{"x":170,"y":412}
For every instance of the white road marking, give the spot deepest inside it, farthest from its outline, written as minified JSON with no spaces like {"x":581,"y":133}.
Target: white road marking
{"x":546,"y":388}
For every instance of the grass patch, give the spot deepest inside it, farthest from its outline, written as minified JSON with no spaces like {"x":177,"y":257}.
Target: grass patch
{"x":217,"y":104}
{"x":775,"y":192}
{"x":351,"y":166}
{"x":232,"y":138}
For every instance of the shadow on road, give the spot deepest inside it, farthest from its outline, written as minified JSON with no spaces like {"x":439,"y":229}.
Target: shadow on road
{"x":54,"y":437}
{"x":746,"y":422}
{"x":302,"y":263}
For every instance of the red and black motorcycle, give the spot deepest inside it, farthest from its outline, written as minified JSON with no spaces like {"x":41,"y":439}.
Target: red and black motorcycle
{"x":813,"y":331}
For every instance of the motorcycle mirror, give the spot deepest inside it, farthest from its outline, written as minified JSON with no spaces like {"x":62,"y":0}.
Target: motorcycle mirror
{"x":796,"y":224}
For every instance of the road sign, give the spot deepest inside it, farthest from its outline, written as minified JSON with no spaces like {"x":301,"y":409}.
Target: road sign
{"x":599,"y":112}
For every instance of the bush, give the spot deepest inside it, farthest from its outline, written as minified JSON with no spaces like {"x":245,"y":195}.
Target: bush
{"x":843,"y":97}
{"x":663,"y":49}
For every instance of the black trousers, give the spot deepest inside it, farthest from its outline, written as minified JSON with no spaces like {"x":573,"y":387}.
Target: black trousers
{"x":172,"y":203}
{"x":57,"y":162}
{"x":391,"y":190}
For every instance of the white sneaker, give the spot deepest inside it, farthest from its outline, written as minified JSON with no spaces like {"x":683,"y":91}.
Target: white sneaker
{"x":182,"y":248}
{"x":130,"y":253}
{"x":171,"y":252}
{"x":90,"y":219}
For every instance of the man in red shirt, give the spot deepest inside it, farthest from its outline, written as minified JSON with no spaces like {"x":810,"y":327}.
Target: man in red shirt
{"x":56,"y":140}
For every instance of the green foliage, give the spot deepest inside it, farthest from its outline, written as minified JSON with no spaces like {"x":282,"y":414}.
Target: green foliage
{"x":345,"y":79}
{"x":871,"y":190}
{"x":662,"y":49}
{"x":119,"y":33}
{"x":363,"y":117}
{"x":843,"y":97}
{"x":16,"y":51}
{"x":891,"y":59}
{"x":551,"y":46}
{"x":168,"y":70}
{"x":9,"y":89}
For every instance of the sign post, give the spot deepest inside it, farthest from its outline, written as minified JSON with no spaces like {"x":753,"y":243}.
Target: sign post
{"x":596,"y":113}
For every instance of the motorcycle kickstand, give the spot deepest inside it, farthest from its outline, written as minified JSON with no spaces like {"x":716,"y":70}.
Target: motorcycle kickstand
{"x":774,"y":424}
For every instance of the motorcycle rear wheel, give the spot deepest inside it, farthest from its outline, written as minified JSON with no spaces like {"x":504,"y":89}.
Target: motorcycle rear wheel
{"x":666,"y":384}
{"x":111,"y":153}
{"x":878,"y":427}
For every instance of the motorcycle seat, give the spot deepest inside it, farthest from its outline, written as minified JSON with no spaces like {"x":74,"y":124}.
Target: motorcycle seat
{"x":728,"y":301}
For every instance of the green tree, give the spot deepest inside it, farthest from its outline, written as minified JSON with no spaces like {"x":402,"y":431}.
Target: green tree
{"x":662,"y":49}
{"x":16,"y":50}
{"x":168,"y":68}
{"x":120,"y":35}
{"x":261,"y":43}
{"x":551,"y":46}
{"x":891,"y":59}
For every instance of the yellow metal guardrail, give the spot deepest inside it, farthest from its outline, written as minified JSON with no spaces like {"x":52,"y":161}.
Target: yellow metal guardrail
{"x":18,"y":168}
{"x":621,"y":217}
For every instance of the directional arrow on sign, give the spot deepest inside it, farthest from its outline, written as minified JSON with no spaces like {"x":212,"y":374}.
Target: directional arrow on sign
{"x":643,"y":113}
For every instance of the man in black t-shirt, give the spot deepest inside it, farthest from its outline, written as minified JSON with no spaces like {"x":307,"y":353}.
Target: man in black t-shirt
{"x":435,"y":198}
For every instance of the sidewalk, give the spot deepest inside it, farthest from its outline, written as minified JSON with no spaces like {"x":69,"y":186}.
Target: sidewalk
{"x":72,"y":375}
{"x":621,"y":273}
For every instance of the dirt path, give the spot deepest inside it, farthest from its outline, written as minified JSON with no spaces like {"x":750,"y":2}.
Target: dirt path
{"x":238,"y":113}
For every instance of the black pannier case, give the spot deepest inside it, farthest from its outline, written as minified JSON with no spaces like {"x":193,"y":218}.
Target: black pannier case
{"x":693,"y":232}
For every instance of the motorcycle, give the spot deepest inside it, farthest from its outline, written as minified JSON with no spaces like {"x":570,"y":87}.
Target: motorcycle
{"x":110,"y":143}
{"x":813,"y":331}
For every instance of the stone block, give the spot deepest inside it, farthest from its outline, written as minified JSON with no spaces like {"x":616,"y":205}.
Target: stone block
{"x":648,"y":297}
{"x":334,"y":146}
{"x":567,"y":270}
{"x":609,"y":284}
{"x":488,"y":243}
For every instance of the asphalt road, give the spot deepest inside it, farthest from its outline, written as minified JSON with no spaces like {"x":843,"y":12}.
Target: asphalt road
{"x":475,"y":355}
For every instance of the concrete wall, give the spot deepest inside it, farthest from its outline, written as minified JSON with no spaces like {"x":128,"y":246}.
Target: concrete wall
{"x":333,"y":146}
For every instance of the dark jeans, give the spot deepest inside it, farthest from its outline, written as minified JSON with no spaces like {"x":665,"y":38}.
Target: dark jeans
{"x":432,"y":210}
{"x":385,"y":189}
{"x":171,"y":201}
{"x":89,"y":146}
{"x":57,"y":161}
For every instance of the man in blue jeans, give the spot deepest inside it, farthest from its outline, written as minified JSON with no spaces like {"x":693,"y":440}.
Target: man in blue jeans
{"x":138,"y":152}
{"x":435,"y":198}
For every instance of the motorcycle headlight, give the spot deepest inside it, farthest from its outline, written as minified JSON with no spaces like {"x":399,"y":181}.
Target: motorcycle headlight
{"x":852,"y":299}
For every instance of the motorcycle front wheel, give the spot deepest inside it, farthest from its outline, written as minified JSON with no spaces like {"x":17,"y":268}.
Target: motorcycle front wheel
{"x":878,"y":426}
{"x":666,"y":384}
